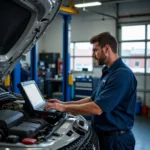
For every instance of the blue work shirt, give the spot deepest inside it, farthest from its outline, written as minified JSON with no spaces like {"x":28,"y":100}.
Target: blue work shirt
{"x":116,"y":96}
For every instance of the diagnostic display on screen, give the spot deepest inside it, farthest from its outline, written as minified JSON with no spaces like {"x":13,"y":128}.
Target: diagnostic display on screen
{"x":33,"y":94}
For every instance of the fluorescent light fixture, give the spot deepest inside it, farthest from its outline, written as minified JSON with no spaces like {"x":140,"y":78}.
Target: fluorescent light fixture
{"x":88,"y":4}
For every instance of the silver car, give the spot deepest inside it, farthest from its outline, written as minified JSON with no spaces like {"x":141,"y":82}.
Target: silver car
{"x":22,"y":24}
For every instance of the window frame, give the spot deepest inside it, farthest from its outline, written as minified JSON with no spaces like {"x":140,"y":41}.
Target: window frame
{"x":146,"y":40}
{"x":73,"y":57}
{"x":131,"y":26}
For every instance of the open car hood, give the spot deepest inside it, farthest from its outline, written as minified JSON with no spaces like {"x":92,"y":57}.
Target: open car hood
{"x":22,"y":24}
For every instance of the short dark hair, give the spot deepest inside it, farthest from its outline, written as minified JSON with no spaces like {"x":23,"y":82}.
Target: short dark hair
{"x":105,"y":38}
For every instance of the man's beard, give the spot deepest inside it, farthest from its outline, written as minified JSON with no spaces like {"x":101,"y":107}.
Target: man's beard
{"x":102,"y":60}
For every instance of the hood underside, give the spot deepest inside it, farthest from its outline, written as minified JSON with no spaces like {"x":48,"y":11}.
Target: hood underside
{"x":22,"y":24}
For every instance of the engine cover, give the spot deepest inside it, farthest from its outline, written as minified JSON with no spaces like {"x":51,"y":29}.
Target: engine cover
{"x":9,"y":118}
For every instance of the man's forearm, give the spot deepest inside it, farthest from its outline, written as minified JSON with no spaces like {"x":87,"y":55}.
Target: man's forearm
{"x":89,"y":108}
{"x":82,"y":101}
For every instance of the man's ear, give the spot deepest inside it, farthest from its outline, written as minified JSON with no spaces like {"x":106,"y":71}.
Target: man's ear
{"x":106,"y":49}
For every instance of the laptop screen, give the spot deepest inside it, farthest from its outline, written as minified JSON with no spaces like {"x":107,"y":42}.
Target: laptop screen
{"x":33,"y":94}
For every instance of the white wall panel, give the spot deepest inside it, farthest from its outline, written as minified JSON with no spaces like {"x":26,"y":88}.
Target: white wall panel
{"x":140,"y":80}
{"x":148,"y":82}
{"x":83,"y":30}
{"x":53,"y":38}
{"x":148,"y":99}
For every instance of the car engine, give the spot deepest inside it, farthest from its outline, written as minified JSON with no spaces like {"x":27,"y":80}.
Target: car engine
{"x":61,"y":131}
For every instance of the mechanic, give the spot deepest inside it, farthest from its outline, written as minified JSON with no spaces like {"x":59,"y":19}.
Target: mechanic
{"x":112,"y":104}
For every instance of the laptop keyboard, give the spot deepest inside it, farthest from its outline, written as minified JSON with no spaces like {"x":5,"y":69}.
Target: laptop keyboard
{"x":50,"y":110}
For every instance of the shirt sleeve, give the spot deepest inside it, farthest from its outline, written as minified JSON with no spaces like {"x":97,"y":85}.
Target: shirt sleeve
{"x":116,"y":89}
{"x":93,"y":95}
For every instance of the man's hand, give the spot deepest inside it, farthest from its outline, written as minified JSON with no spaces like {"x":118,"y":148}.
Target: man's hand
{"x":54,"y":101}
{"x":56,"y":106}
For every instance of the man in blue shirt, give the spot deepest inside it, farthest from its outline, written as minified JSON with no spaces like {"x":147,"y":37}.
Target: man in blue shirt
{"x":112,"y":104}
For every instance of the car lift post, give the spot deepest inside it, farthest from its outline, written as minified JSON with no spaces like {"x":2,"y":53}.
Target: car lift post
{"x":16,"y":78}
{"x":34,"y":63}
{"x":66,"y":88}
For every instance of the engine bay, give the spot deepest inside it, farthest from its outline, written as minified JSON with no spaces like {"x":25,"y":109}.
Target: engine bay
{"x":18,"y":128}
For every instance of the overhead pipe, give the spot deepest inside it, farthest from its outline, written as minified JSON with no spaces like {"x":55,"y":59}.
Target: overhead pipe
{"x":99,"y":13}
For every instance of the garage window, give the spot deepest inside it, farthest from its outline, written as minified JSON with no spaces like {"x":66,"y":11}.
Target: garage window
{"x":135,"y":47}
{"x":148,"y":33}
{"x":133,"y":32}
{"x":81,"y":56}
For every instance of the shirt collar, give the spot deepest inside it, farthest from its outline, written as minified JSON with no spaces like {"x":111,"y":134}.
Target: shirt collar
{"x":113,"y":66}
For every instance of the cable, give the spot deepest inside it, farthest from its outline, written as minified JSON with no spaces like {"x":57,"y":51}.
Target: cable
{"x":3,"y":134}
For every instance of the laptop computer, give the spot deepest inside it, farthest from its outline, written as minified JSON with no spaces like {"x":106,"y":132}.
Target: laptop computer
{"x":33,"y":97}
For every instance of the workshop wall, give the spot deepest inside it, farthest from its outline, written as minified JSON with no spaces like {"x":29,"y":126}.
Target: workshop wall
{"x":53,"y":37}
{"x":52,"y":40}
{"x":87,"y":25}
{"x":41,"y":44}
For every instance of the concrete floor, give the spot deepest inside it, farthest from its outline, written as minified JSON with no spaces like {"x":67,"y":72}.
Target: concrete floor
{"x":141,"y":132}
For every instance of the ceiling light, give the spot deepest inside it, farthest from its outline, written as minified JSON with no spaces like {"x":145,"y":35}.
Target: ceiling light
{"x":88,"y":4}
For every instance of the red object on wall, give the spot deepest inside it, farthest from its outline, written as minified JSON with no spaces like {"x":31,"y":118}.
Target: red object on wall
{"x":144,"y":110}
{"x":60,"y":66}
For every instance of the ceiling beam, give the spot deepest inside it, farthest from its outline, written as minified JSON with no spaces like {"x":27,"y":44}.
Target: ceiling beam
{"x":69,"y":9}
{"x":99,"y":13}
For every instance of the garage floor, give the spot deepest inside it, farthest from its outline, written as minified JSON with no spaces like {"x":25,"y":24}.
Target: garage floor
{"x":141,"y":132}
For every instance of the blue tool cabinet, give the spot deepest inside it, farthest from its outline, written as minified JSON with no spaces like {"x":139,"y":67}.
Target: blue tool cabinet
{"x":84,"y":87}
